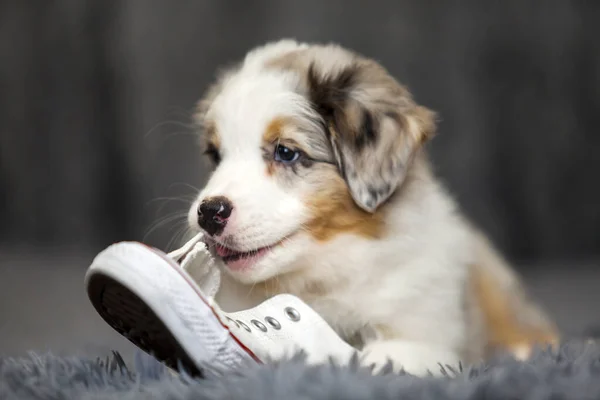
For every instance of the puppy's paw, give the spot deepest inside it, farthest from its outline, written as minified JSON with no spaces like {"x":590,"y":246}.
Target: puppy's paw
{"x":412,"y":357}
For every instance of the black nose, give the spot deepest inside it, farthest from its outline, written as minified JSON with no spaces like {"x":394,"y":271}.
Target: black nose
{"x":213,"y":213}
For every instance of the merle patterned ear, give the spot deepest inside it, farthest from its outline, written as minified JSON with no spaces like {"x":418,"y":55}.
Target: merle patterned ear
{"x":374,"y":127}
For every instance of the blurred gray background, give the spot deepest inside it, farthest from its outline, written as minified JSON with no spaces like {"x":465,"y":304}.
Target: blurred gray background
{"x":96,"y":144}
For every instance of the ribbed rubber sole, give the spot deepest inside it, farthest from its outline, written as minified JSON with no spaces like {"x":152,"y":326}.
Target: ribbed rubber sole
{"x":126,"y":313}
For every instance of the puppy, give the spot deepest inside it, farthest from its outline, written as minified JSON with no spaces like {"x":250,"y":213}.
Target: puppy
{"x":322,"y":188}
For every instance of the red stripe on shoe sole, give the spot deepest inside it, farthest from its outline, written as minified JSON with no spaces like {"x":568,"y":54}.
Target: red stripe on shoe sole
{"x":192,"y":284}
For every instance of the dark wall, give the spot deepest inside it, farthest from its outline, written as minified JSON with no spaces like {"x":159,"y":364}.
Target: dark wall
{"x":95,"y":96}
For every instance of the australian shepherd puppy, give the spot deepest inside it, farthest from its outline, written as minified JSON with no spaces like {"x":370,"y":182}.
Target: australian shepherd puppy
{"x":322,"y":188}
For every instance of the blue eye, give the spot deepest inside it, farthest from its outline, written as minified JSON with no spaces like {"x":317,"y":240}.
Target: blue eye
{"x":285,"y":154}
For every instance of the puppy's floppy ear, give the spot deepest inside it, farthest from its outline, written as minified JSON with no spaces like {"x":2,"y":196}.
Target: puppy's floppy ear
{"x":373,"y":125}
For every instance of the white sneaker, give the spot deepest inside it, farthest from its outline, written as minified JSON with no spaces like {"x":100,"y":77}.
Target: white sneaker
{"x":154,"y":300}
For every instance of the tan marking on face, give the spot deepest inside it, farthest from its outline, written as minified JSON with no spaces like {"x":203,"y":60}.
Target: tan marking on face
{"x":211,"y":135}
{"x":503,"y":328}
{"x":333,"y":212}
{"x":275,"y":129}
{"x":272,"y":133}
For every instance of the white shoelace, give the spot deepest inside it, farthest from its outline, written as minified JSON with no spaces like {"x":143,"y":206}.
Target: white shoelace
{"x":197,"y":261}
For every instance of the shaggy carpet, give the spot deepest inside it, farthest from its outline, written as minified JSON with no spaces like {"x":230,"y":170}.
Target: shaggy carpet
{"x":573,"y":372}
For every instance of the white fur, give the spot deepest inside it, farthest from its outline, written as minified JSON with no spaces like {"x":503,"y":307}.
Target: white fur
{"x":408,"y":288}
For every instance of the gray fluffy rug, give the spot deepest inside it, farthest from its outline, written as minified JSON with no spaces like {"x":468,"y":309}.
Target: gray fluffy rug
{"x":571,"y":373}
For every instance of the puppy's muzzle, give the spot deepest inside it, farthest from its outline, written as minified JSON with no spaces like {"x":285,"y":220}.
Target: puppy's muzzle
{"x":213,"y":214}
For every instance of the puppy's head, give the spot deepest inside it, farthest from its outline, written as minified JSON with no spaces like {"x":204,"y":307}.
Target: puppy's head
{"x":307,"y":143}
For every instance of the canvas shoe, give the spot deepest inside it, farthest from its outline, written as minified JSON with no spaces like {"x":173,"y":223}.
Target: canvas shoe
{"x":164,"y":304}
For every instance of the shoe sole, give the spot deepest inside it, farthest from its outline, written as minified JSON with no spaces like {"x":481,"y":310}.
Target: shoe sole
{"x":126,"y":313}
{"x":146,"y":297}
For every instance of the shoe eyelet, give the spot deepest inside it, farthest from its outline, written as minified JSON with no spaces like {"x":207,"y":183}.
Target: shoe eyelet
{"x":233,"y":322}
{"x":243,"y":325}
{"x":273,"y":322}
{"x":259,"y":325}
{"x":292,"y":314}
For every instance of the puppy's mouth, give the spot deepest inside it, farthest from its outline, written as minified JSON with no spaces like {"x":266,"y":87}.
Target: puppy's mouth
{"x":229,"y":255}
{"x":240,"y":260}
